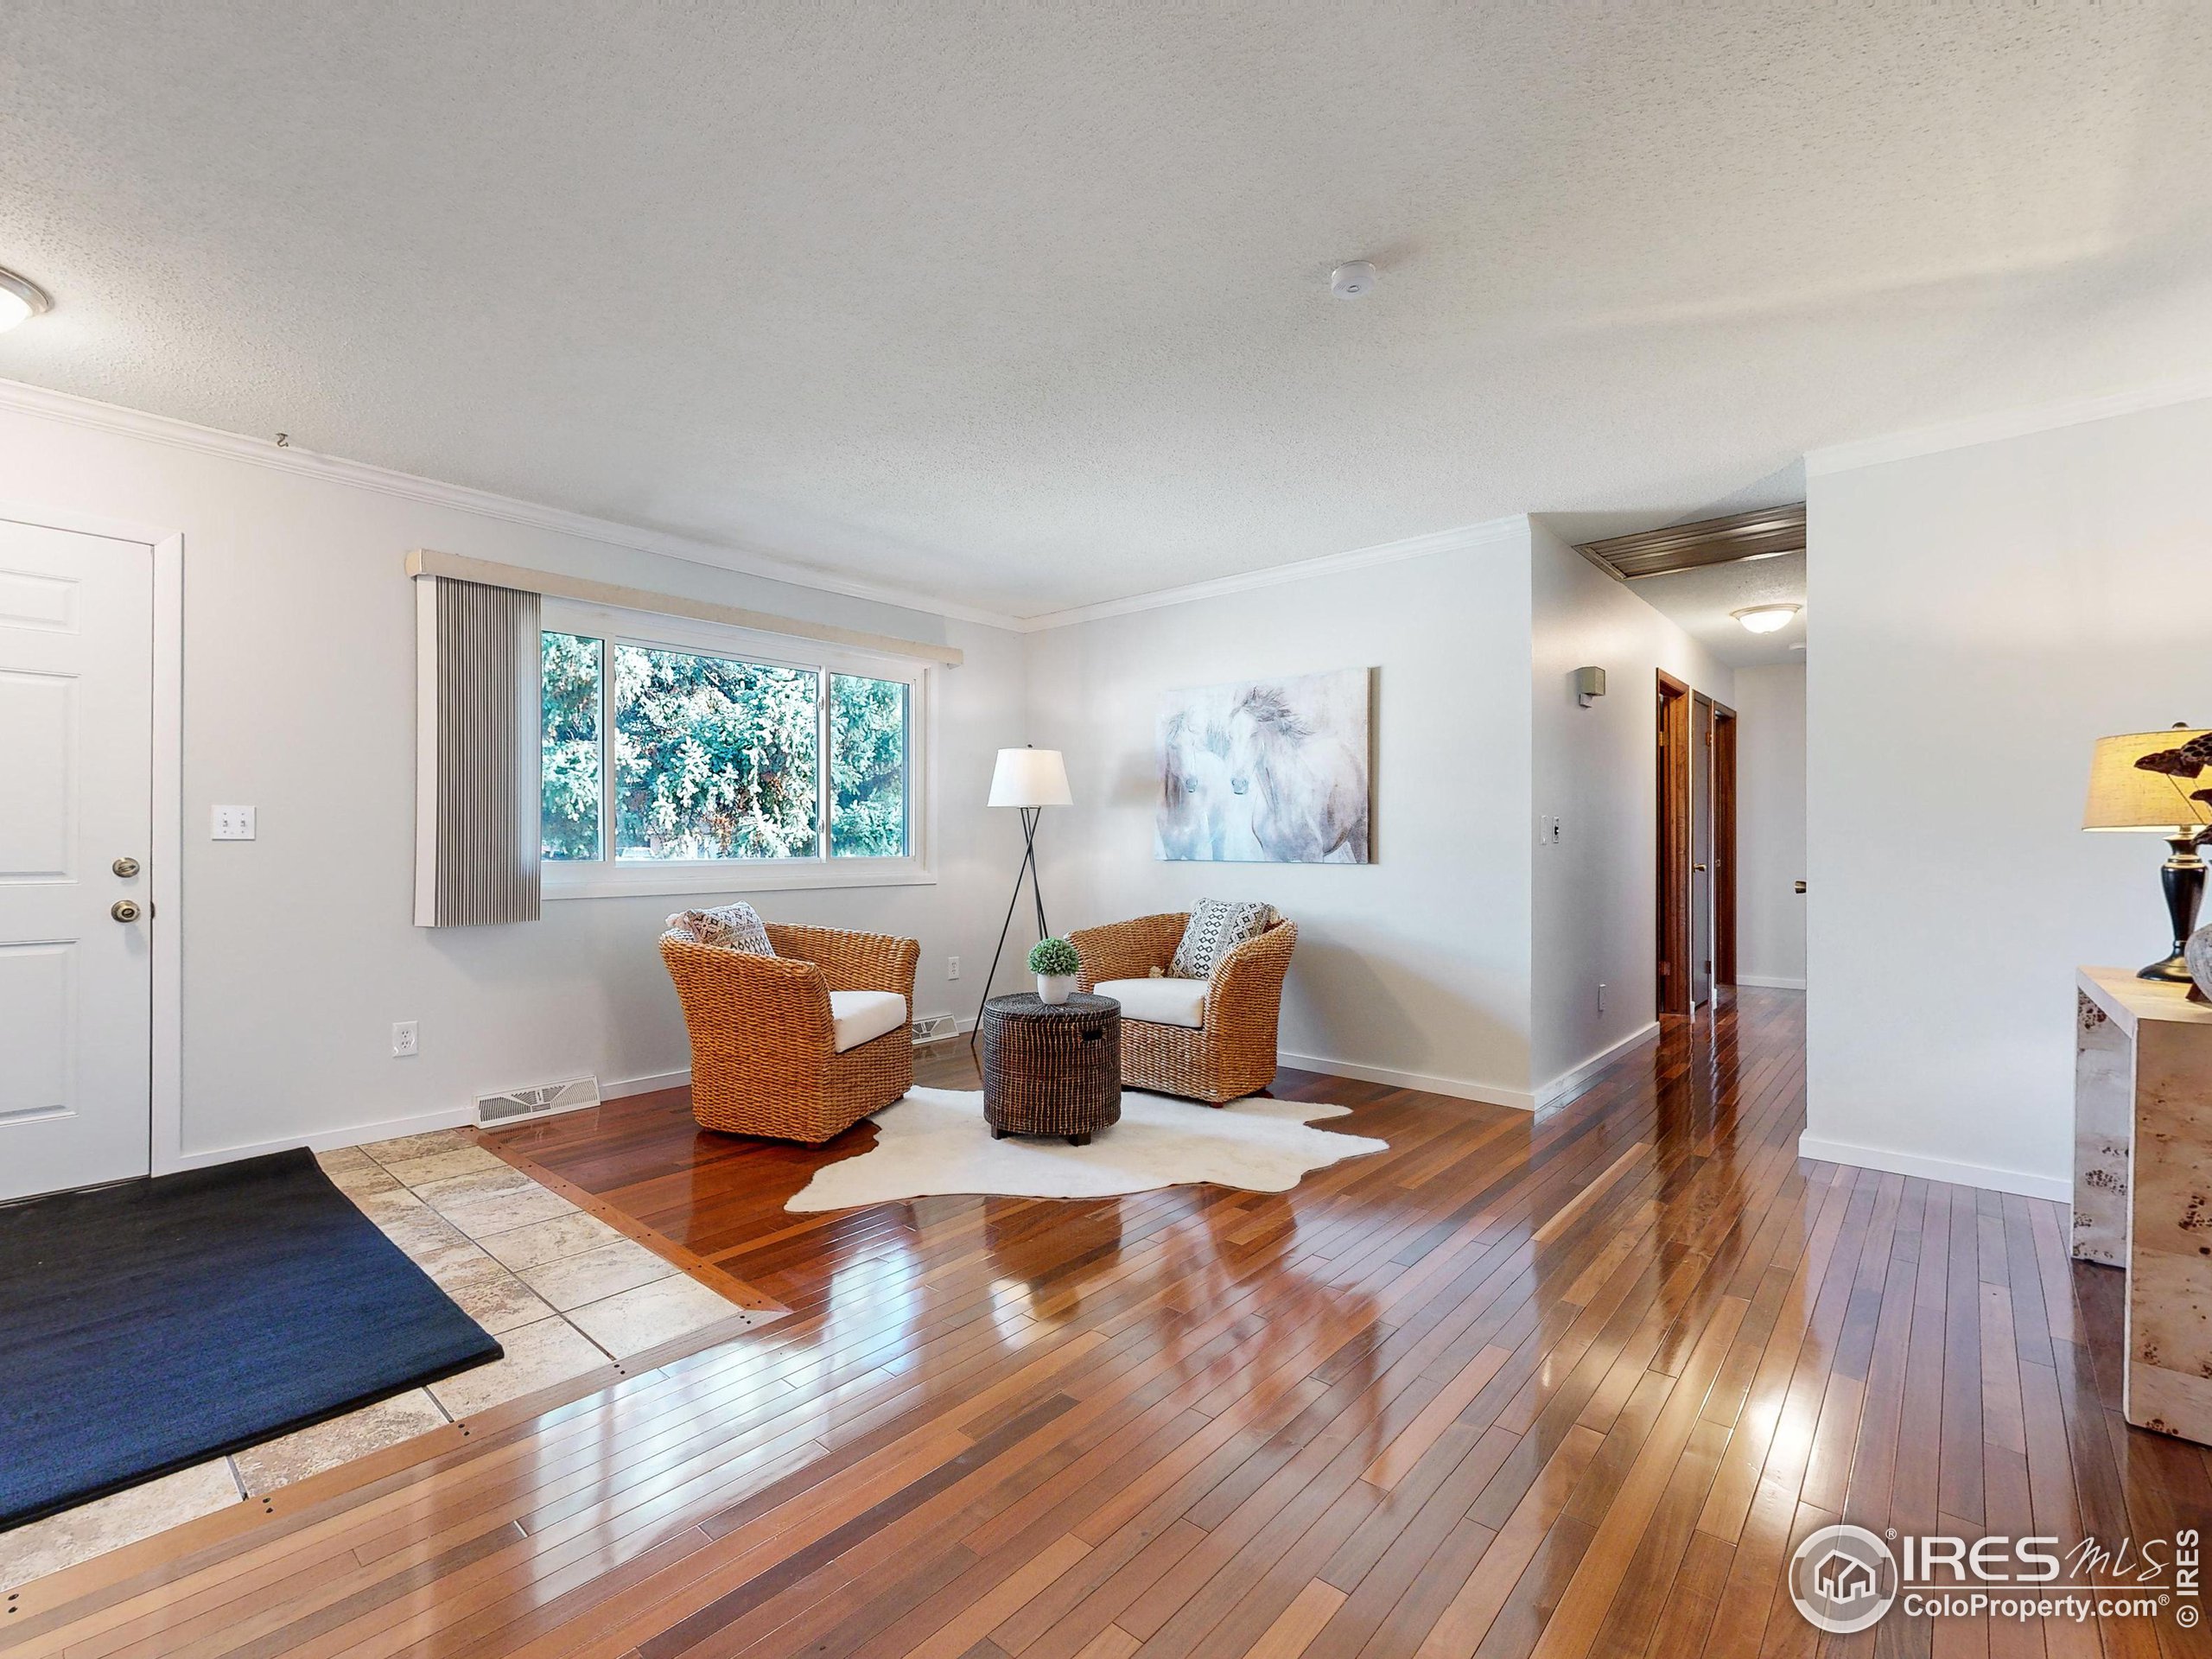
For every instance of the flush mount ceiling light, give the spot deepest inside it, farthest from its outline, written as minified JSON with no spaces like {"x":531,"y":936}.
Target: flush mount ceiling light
{"x":1349,"y":282}
{"x":1765,"y":619}
{"x":21,"y":299}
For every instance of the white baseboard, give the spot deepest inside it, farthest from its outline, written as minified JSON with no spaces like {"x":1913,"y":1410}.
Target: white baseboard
{"x":2056,"y":1188}
{"x":451,"y":1117}
{"x":1489,"y":1093}
{"x":1567,"y":1081}
{"x":1768,"y":981}
{"x":624,"y":1087}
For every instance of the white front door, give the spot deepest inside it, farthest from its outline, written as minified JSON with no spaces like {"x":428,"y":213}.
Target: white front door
{"x":76,"y":785}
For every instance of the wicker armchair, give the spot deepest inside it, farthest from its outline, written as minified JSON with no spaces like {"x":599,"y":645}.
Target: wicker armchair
{"x":1233,"y":1053}
{"x":764,"y":1056}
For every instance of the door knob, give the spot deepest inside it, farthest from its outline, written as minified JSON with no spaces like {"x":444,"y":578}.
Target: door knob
{"x":1699,"y":868}
{"x":126,"y":865}
{"x":124,"y":909}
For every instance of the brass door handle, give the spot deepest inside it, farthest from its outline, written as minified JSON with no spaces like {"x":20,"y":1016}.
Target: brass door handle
{"x":124,"y":909}
{"x":1699,"y":868}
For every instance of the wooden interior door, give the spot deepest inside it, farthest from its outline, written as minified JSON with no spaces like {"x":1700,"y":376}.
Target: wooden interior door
{"x":1701,"y":962}
{"x":1673,"y":897}
{"x":1724,"y":844}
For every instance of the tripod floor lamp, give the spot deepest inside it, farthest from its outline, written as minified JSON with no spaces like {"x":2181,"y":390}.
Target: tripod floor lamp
{"x":1028,"y":781}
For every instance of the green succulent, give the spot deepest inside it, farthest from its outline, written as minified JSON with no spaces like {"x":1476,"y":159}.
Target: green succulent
{"x":1054,"y":957}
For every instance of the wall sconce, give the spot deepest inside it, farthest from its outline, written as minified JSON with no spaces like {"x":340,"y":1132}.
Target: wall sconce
{"x":1589,"y":685}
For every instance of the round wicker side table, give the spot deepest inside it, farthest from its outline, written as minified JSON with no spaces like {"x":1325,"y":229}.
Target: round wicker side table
{"x":1051,"y":1069}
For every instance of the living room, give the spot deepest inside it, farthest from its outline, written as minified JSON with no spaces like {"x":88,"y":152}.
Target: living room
{"x":565,"y":629}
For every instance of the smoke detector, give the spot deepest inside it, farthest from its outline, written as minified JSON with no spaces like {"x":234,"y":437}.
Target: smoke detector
{"x":1349,"y":282}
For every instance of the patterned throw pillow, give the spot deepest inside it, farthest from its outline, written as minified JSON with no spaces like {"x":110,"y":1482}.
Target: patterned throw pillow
{"x":1216,"y":928}
{"x":733,"y":927}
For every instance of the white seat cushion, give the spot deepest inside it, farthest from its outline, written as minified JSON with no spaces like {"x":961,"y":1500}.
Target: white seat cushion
{"x":863,"y":1016}
{"x":1163,"y":1002}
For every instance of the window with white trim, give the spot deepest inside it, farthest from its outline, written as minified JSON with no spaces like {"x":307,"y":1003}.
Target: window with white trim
{"x":681,"y":756}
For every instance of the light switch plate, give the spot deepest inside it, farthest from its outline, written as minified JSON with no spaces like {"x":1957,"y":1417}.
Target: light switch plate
{"x":233,"y":823}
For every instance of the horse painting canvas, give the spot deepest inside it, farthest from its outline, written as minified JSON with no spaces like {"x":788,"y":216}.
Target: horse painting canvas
{"x":1267,"y":771}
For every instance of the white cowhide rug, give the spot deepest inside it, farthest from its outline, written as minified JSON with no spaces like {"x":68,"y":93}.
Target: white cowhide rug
{"x":935,"y":1141}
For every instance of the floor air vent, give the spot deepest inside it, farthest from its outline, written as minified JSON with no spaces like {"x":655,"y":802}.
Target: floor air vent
{"x":542,"y":1101}
{"x":932,"y":1027}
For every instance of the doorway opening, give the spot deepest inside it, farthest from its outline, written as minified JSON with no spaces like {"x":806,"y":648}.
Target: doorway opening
{"x":1696,"y":900}
{"x":1674,"y":910}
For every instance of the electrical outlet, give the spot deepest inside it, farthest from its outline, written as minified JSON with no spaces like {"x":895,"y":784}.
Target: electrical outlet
{"x":952,"y":967}
{"x":1601,"y":996}
{"x":233,"y":823}
{"x":405,"y":1039}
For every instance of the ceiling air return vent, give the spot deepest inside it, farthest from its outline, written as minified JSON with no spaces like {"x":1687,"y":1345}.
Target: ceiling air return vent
{"x":543,"y":1100}
{"x":1759,"y":535}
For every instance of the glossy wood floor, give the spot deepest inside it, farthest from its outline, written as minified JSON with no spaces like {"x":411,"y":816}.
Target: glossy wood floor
{"x":1569,"y":1384}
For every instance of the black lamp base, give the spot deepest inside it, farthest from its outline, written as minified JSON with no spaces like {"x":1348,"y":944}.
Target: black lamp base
{"x":2174,"y":970}
{"x":2182,"y":877}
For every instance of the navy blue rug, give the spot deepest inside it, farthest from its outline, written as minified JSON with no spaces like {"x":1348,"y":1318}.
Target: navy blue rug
{"x":150,"y":1326}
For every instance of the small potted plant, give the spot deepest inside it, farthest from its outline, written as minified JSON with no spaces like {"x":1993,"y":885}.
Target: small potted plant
{"x":1056,"y":964}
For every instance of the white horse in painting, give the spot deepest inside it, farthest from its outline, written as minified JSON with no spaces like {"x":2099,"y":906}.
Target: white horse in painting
{"x":1202,"y":816}
{"x":1309,"y":787}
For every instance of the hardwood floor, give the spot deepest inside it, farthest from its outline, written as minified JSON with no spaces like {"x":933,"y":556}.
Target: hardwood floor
{"x":1567,"y":1384}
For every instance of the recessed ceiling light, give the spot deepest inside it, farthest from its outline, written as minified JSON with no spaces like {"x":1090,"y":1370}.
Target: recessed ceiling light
{"x":21,"y":299}
{"x":1765,"y":619}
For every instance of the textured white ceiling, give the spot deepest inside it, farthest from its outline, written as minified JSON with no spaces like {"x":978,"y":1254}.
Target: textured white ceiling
{"x":1700,"y":600}
{"x":1028,"y":305}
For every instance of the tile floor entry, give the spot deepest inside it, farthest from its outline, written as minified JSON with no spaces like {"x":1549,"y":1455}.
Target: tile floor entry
{"x":563,"y":1292}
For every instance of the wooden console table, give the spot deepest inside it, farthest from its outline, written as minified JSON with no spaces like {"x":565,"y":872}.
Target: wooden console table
{"x":2143,"y":1183}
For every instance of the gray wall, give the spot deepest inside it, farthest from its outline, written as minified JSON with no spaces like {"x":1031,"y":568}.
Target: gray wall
{"x":1596,"y":904}
{"x":1984,"y":614}
{"x":1413,"y":969}
{"x":1770,"y":825}
{"x":299,"y":698}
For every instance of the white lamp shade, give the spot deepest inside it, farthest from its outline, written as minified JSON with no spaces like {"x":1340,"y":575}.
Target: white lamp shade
{"x":1030,"y":778}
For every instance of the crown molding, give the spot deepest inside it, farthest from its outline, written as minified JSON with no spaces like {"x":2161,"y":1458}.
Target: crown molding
{"x":72,"y":410}
{"x":2004,"y":424}
{"x":68,"y":408}
{"x":1463,"y":540}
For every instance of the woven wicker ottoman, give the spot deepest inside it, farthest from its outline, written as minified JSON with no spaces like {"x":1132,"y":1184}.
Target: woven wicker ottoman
{"x":1052,"y":1070}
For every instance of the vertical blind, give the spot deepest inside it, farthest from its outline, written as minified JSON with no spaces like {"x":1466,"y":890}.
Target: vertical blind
{"x":476,"y":790}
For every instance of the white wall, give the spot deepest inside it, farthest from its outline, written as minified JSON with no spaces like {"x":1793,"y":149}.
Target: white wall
{"x":1595,"y":769}
{"x":299,"y":694}
{"x":1770,"y":825}
{"x":1985,"y":613}
{"x":1414,"y":967}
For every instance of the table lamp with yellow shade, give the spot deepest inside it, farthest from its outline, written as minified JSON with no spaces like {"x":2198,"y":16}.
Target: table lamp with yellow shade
{"x":2160,"y":781}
